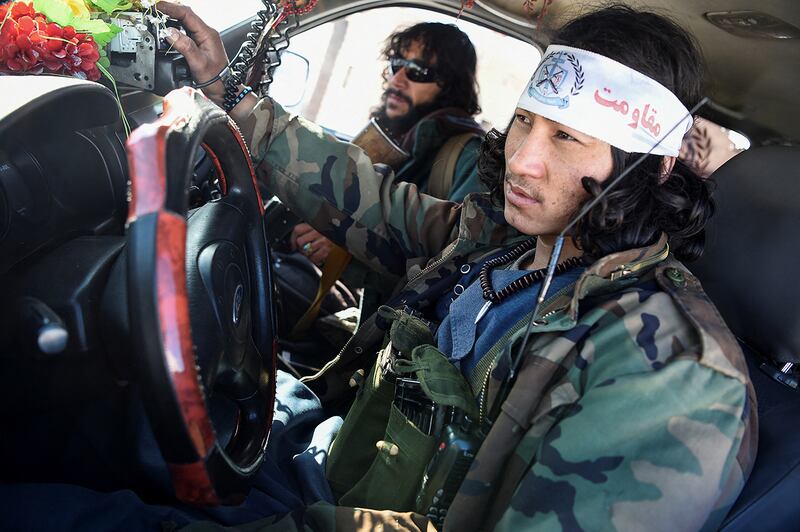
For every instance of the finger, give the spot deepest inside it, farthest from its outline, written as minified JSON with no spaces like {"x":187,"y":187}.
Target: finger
{"x":293,"y":237}
{"x":187,"y":47}
{"x":318,"y":257}
{"x":322,"y":254}
{"x":306,"y":237}
{"x":187,"y":17}
{"x":322,"y":248}
{"x":200,"y":66}
{"x":204,"y":50}
{"x":305,"y":229}
{"x":321,"y":242}
{"x":306,"y":249}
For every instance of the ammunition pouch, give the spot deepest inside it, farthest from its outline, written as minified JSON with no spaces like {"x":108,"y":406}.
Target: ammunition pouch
{"x":389,"y":435}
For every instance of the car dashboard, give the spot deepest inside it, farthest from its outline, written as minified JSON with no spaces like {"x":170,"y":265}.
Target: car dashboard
{"x":62,"y":166}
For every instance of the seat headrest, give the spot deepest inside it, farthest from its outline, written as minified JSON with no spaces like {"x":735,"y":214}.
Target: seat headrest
{"x":751,"y":265}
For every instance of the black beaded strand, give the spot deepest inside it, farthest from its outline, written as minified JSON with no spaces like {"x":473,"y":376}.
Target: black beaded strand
{"x":523,"y":282}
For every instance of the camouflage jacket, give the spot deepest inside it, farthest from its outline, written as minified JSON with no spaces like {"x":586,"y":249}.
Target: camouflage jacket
{"x":425,"y":140}
{"x":633,"y":408}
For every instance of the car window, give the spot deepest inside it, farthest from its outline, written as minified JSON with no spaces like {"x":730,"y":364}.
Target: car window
{"x":221,"y":19}
{"x":344,"y":68}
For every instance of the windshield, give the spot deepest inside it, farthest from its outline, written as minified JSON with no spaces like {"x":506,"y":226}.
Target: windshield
{"x":222,"y":19}
{"x":343,"y":81}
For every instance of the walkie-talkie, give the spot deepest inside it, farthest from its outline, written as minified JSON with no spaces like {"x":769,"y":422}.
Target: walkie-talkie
{"x":457,"y":447}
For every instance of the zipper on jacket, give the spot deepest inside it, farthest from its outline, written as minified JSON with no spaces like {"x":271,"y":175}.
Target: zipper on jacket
{"x":497,"y":346}
{"x":329,"y":365}
{"x":445,"y":255}
{"x":627,"y":269}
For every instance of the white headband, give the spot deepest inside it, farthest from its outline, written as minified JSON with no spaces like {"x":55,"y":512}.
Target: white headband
{"x":606,"y":100}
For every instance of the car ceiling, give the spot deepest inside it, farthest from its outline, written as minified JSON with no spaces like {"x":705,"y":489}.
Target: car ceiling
{"x":751,"y":81}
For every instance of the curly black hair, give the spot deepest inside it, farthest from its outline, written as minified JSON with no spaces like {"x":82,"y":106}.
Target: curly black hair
{"x":455,"y":57}
{"x":646,"y":203}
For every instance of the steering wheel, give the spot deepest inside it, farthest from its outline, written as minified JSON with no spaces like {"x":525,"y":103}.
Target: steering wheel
{"x":200,"y":302}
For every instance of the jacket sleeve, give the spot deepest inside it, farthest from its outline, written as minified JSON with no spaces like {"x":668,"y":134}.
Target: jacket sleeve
{"x":465,"y":180}
{"x":334,"y":187}
{"x":643,"y":451}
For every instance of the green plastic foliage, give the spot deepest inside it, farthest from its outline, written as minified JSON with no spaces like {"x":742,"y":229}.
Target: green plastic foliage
{"x":59,"y":11}
{"x":55,"y":10}
{"x":110,"y":6}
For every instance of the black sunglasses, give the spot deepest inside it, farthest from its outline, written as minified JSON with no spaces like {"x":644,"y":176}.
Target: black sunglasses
{"x":414,"y":71}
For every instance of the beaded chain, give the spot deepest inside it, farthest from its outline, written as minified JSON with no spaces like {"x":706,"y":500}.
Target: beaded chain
{"x":523,"y":282}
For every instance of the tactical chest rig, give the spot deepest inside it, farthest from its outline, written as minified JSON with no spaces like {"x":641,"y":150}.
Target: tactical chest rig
{"x":413,"y":429}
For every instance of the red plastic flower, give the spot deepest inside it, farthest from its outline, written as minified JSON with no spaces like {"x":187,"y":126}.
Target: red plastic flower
{"x":31,"y":45}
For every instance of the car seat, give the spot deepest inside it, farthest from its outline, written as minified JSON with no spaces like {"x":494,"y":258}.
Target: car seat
{"x":750,"y":270}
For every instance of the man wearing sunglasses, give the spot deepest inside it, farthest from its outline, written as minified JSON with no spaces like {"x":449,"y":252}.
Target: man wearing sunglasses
{"x":430,"y":96}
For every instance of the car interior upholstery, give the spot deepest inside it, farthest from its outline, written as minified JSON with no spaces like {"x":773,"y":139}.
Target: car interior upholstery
{"x":748,"y":269}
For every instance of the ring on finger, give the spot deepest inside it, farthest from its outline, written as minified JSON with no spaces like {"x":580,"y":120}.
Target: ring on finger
{"x":307,"y":248}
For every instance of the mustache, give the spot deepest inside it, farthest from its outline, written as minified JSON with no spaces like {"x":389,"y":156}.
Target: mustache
{"x":511,"y":180}
{"x":398,"y":94}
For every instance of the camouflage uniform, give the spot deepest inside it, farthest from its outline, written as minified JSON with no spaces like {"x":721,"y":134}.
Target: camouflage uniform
{"x":423,"y":143}
{"x":636,"y":410}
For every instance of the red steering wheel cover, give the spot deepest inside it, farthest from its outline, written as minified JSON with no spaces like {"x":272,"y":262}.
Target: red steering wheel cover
{"x":147,"y":159}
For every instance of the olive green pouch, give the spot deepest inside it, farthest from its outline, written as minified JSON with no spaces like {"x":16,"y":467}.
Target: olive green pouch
{"x":379,"y":457}
{"x":394,"y":477}
{"x":439,"y":378}
{"x":354,"y":448}
{"x":406,"y":331}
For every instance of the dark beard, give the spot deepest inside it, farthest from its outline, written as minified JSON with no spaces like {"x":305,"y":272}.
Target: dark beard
{"x":398,"y":126}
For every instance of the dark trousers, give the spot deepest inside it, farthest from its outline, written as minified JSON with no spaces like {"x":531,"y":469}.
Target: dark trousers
{"x":292,"y":476}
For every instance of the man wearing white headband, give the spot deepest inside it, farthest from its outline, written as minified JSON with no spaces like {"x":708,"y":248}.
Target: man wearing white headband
{"x":630,"y":407}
